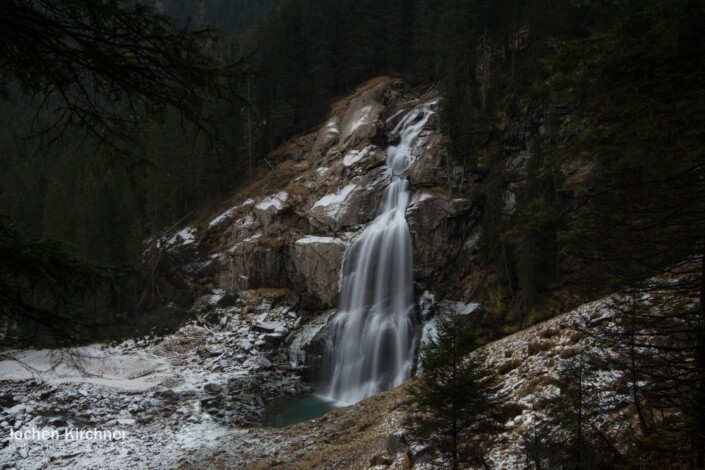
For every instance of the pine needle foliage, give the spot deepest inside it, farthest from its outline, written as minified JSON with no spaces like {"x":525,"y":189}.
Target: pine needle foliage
{"x":456,"y":396}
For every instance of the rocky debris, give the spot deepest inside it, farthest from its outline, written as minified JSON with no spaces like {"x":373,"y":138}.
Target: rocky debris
{"x":219,"y":370}
{"x":270,"y":327}
{"x":396,"y":443}
{"x":370,"y":434}
{"x":211,"y":351}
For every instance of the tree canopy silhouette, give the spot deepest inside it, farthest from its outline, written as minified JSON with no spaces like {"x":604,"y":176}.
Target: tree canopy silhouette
{"x":103,"y":66}
{"x":100,"y":68}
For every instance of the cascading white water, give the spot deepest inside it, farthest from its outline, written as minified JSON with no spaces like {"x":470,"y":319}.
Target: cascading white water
{"x":371,"y":345}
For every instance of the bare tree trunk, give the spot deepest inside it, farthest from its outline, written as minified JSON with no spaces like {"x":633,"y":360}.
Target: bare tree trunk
{"x":484,"y":57}
{"x":699,"y":419}
{"x":249,"y":131}
{"x":456,"y":433}
{"x":579,"y":446}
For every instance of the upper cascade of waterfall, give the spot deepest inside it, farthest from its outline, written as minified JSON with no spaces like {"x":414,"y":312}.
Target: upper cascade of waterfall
{"x":371,"y":345}
{"x":400,"y":156}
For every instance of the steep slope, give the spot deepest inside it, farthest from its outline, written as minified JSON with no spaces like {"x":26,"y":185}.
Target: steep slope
{"x":289,"y":228}
{"x":370,"y":434}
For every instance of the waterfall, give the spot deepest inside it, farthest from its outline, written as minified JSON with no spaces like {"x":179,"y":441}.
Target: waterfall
{"x":371,"y":343}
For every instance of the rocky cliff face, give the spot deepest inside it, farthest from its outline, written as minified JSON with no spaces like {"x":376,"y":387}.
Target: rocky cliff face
{"x":290,"y":229}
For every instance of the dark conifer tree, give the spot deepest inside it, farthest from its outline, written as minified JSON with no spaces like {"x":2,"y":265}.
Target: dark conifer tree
{"x":641,"y":219}
{"x":458,"y":407}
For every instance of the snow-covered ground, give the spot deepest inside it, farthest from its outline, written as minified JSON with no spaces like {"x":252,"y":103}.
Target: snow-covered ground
{"x":149,"y":403}
{"x":167,"y":402}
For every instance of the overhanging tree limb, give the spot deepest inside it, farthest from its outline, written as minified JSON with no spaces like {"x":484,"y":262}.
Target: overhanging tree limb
{"x":108,"y":64}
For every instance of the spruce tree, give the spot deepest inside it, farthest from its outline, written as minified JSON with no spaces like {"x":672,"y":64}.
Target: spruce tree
{"x":572,"y":434}
{"x":640,"y":219}
{"x":458,"y":408}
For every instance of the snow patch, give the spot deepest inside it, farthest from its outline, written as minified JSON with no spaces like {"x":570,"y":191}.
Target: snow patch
{"x":107,"y":367}
{"x":228,"y":213}
{"x":360,"y":118}
{"x":311,"y":239}
{"x":353,"y":156}
{"x":332,"y":126}
{"x":245,"y":221}
{"x":216,"y":296}
{"x":429,"y":330}
{"x":333,"y":202}
{"x":183,"y":237}
{"x":277,"y":201}
{"x":461,"y":308}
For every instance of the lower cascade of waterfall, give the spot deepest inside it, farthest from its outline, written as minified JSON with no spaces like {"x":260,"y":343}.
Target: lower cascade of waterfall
{"x":371,"y":343}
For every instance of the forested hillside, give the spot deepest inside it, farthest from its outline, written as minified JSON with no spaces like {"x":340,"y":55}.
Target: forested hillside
{"x":601,"y":96}
{"x":228,"y":16}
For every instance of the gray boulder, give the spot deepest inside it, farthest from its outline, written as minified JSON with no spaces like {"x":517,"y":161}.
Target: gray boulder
{"x":317,"y":262}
